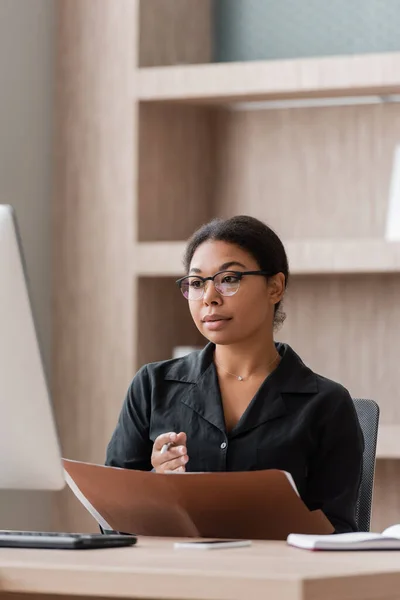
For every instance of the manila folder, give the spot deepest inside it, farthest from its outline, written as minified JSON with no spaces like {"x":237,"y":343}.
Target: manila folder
{"x":249,"y":505}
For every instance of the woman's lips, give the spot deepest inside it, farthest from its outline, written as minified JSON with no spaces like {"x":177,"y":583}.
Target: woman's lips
{"x":215,"y":323}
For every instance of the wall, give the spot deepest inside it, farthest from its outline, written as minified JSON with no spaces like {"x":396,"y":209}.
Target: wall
{"x":26,"y":55}
{"x":265,"y":29}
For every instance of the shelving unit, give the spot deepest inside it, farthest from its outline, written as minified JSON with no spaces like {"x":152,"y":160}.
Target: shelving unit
{"x":167,"y":141}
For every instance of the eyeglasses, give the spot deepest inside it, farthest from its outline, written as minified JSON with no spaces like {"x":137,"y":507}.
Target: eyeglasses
{"x":226,"y":283}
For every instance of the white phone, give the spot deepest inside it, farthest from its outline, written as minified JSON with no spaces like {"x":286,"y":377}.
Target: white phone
{"x":213,"y":544}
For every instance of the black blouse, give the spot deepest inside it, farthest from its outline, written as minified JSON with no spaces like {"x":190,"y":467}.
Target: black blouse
{"x":297,"y":421}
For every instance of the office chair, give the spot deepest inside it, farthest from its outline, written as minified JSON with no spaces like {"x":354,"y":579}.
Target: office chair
{"x":368,"y":416}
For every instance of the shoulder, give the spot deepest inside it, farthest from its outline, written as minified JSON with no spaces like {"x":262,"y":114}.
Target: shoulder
{"x":332,"y":389}
{"x":334,"y":407}
{"x":326,"y":403}
{"x":161,"y":383}
{"x":315,"y":390}
{"x":186,"y":369}
{"x":295,"y":376}
{"x":337,"y":415}
{"x":335,"y":399}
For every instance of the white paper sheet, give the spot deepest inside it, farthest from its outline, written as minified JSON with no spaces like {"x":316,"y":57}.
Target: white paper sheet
{"x":71,"y":483}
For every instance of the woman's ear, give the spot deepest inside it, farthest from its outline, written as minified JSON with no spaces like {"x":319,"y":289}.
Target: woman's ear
{"x":276,"y":287}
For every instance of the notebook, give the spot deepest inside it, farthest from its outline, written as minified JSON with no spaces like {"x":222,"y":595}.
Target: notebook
{"x":389,"y":539}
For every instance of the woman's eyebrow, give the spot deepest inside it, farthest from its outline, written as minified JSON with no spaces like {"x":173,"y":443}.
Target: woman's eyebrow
{"x":231,"y":264}
{"x":223,"y":267}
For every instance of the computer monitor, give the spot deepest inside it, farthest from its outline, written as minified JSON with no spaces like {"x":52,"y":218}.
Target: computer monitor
{"x":30,"y":457}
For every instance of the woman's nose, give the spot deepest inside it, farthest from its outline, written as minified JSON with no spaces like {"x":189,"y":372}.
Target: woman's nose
{"x":211,"y":296}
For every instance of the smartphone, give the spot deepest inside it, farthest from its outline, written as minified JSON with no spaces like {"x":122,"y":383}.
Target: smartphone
{"x":213,"y":544}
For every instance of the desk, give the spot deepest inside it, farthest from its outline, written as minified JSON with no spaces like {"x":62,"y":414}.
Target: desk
{"x":153,"y":569}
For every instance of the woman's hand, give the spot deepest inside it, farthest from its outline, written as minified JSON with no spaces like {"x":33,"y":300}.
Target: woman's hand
{"x":175,"y":458}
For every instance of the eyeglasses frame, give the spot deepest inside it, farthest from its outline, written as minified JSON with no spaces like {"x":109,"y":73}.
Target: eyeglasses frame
{"x":239,"y":274}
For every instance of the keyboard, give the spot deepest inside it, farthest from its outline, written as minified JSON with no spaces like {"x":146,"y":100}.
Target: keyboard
{"x":63,"y":541}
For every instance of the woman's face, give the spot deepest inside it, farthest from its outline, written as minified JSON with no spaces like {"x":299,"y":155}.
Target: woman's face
{"x":239,"y":317}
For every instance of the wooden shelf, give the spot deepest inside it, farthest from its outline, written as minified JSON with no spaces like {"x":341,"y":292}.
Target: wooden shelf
{"x":388,"y":442}
{"x":220,"y":83}
{"x":158,"y":258}
{"x":309,"y":257}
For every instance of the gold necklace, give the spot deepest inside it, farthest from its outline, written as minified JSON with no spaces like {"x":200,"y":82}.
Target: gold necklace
{"x":239,"y":377}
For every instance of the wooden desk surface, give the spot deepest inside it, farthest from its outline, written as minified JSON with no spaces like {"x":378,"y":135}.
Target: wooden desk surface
{"x":153,"y":569}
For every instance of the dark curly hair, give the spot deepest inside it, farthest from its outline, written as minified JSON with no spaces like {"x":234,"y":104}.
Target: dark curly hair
{"x":251,"y":235}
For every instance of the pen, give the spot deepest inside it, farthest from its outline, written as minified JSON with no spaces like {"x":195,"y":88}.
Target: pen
{"x":166,"y":447}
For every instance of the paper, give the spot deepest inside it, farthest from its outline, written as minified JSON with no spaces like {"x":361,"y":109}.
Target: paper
{"x":361,"y":540}
{"x":82,"y":498}
{"x":292,"y":483}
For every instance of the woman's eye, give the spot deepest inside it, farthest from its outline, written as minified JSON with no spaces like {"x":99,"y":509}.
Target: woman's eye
{"x":230,"y":279}
{"x":196,"y":283}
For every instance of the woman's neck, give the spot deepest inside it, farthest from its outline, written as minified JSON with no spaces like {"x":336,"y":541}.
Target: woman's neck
{"x":248,"y":358}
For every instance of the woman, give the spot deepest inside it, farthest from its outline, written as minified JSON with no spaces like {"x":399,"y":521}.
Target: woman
{"x":243,"y":402}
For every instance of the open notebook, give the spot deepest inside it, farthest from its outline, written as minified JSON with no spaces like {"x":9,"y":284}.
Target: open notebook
{"x":389,"y":539}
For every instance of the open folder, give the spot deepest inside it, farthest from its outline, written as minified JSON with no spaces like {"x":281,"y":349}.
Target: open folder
{"x":249,"y":505}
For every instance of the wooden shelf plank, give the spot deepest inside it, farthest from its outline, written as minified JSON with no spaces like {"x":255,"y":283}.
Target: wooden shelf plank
{"x":219,"y":83}
{"x":343,"y":256}
{"x":388,"y":442}
{"x":308,"y":257}
{"x":158,"y":258}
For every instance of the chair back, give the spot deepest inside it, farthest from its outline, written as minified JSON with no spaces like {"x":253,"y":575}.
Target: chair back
{"x":368,"y":416}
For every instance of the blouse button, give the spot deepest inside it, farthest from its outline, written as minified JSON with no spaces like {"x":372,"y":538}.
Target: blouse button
{"x":223,"y":446}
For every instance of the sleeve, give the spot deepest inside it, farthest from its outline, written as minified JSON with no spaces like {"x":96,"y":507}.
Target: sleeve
{"x":334,"y":474}
{"x":130,"y":446}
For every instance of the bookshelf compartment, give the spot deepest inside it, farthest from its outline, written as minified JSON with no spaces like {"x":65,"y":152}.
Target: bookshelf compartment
{"x":163,"y":320}
{"x":176,"y":171}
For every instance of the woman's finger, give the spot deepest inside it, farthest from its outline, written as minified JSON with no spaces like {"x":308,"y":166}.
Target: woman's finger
{"x":176,"y":463}
{"x":164,"y":438}
{"x":173,"y":452}
{"x":181,"y":439}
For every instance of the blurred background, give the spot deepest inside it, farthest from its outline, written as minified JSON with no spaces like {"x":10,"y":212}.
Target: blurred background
{"x":125,"y":125}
